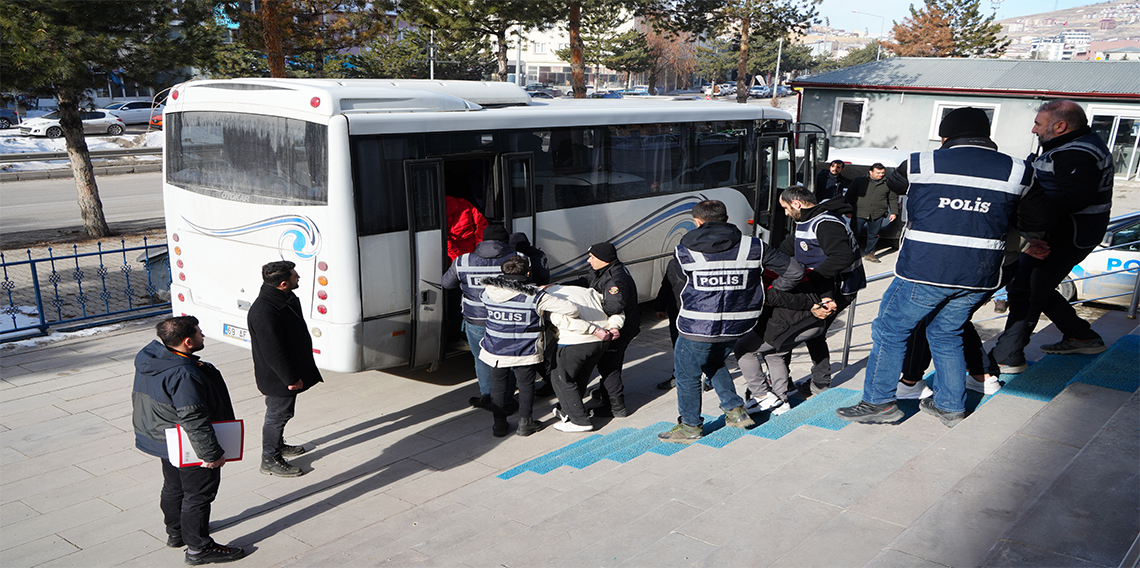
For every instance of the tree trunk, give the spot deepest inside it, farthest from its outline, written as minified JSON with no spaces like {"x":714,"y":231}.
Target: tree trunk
{"x":271,"y":33}
{"x":90,"y":207}
{"x":577,"y":50}
{"x":504,"y":49}
{"x":742,"y":66}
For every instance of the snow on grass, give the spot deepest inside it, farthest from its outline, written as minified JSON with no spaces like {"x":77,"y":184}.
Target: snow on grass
{"x":12,"y":142}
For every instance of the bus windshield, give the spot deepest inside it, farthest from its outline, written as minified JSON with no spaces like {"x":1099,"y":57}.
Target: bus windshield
{"x":250,"y":158}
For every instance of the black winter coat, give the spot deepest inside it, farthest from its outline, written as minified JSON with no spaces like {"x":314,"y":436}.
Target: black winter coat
{"x":619,"y":295}
{"x":282,"y":347}
{"x":171,"y":389}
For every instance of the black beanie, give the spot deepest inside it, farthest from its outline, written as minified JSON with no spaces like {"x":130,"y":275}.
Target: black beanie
{"x":604,"y":252}
{"x":495,"y":233}
{"x":965,"y":121}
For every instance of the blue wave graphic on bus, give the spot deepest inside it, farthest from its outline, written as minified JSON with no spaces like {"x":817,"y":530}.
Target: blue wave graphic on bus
{"x":680,"y":207}
{"x":300,"y":236}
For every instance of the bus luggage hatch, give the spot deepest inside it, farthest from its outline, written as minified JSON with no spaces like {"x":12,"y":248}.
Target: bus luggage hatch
{"x":427,"y":221}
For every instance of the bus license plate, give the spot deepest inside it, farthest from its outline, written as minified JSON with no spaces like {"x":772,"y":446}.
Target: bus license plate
{"x":235,"y":332}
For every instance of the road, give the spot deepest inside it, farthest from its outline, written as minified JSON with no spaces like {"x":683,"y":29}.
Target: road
{"x":38,"y":205}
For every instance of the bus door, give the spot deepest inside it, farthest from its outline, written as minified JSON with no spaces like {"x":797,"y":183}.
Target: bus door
{"x":427,"y":226}
{"x":775,"y":162}
{"x":815,"y":152}
{"x":516,"y":177}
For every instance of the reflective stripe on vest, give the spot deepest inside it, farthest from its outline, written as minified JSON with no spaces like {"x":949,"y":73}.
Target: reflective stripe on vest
{"x":724,"y":292}
{"x":513,"y":325}
{"x":959,"y":205}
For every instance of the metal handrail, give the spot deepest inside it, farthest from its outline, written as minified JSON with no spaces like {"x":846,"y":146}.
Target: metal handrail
{"x":851,"y":325}
{"x":95,"y":154}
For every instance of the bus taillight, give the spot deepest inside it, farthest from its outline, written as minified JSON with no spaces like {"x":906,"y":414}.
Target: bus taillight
{"x":315,"y":102}
{"x":178,"y":250}
{"x":322,"y":266}
{"x":323,"y":281}
{"x":174,"y":237}
{"x":322,"y":309}
{"x":322,"y":294}
{"x":181,"y":297}
{"x":179,"y":263}
{"x":174,"y":95}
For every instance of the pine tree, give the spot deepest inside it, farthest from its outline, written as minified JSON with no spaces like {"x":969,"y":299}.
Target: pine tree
{"x":628,"y":53}
{"x":926,"y":33}
{"x":63,"y":48}
{"x":948,"y":28}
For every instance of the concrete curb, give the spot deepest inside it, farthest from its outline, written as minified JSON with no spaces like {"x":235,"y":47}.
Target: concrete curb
{"x":65,"y":173}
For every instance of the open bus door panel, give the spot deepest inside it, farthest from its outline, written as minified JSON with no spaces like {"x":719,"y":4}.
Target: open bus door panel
{"x":427,"y":223}
{"x":776,"y":166}
{"x":515,"y":175}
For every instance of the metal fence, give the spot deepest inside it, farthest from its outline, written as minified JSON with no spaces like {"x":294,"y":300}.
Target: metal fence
{"x":82,"y":289}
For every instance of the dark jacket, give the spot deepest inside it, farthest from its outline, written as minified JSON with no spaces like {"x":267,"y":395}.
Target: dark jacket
{"x":619,"y":294}
{"x":828,"y":186}
{"x":871,"y":199}
{"x":787,"y":315}
{"x":282,"y":347}
{"x":834,"y":241}
{"x":173,"y":389}
{"x":719,"y":237}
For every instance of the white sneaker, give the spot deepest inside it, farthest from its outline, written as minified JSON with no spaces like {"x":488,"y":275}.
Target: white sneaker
{"x":769,"y":402}
{"x":572,"y":427}
{"x":919,"y":390}
{"x":780,"y":409}
{"x":561,"y":416}
{"x":990,"y":386}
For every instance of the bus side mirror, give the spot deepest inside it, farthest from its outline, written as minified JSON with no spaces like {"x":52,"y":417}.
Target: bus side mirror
{"x":822,"y":147}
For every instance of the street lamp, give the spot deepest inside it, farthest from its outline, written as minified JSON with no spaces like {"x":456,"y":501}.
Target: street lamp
{"x":882,"y":29}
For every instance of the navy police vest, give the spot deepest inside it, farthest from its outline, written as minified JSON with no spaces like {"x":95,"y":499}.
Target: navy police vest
{"x":810,"y":255}
{"x":724,"y":291}
{"x":513,"y":326}
{"x":959,"y":205}
{"x":471,"y":270}
{"x":1090,"y":223}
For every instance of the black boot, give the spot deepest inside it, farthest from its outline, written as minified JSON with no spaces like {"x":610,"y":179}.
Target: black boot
{"x":528,"y":426}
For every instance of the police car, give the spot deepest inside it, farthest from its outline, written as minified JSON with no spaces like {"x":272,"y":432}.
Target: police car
{"x":1120,"y":250}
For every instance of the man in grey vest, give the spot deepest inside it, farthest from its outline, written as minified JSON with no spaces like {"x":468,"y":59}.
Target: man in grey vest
{"x":961,"y":201}
{"x":1075,"y":172}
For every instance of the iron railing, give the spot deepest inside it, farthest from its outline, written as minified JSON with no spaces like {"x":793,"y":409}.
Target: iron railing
{"x":82,"y":289}
{"x":851,"y":325}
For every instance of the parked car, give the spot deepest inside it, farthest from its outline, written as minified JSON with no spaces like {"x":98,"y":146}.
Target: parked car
{"x":156,"y":120}
{"x":94,"y":122}
{"x":136,"y":112}
{"x":8,"y":118}
{"x":759,"y":92}
{"x":1120,"y":250}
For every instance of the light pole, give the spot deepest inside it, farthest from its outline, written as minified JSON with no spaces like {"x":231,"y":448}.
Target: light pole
{"x":882,"y":29}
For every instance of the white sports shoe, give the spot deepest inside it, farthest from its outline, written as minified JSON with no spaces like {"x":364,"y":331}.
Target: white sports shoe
{"x":572,"y":427}
{"x":780,"y":409}
{"x":990,"y":386}
{"x":919,"y":390}
{"x":561,"y":416}
{"x":769,"y":402}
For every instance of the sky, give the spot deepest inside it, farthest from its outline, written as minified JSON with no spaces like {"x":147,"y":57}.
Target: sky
{"x":840,"y":15}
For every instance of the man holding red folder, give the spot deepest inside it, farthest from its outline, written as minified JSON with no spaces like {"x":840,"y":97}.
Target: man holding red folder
{"x":174,"y":388}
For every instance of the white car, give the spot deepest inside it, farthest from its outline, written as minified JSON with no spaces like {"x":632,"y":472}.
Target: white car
{"x":94,"y":122}
{"x":136,"y":112}
{"x":1120,"y":250}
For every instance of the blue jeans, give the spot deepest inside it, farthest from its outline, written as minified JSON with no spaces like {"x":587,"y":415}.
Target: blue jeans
{"x":870,"y":228}
{"x":690,"y":359}
{"x":475,"y":334}
{"x":904,"y":306}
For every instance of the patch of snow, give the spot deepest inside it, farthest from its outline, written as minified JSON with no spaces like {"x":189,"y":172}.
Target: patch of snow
{"x":55,"y":336}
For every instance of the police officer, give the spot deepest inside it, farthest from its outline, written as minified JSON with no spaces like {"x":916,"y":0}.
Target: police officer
{"x":824,"y":245}
{"x":467,"y":274}
{"x":612,"y":280}
{"x":514,"y":338}
{"x":718,"y":273}
{"x":962,"y":199}
{"x":1075,"y":173}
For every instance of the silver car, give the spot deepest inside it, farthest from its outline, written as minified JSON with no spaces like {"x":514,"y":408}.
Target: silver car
{"x":94,"y":122}
{"x":135,"y":112}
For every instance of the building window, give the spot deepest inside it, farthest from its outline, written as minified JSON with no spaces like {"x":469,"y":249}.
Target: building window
{"x":942,"y":108}
{"x":850,"y":115}
{"x":539,"y":47}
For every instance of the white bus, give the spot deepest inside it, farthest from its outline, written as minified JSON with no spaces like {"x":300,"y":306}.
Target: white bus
{"x":347,"y":179}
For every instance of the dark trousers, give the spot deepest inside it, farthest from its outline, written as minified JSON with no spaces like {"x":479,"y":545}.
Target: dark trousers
{"x":918,"y":355}
{"x":185,"y":502}
{"x":869,"y":229}
{"x":278,"y":411}
{"x":525,"y":376}
{"x":609,"y":366}
{"x":1033,"y":292}
{"x":574,"y":365}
